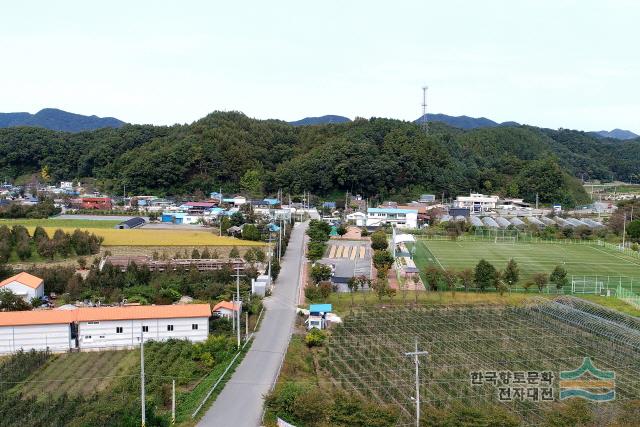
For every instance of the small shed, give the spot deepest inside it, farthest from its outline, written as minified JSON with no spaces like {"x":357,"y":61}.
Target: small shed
{"x":131,"y":223}
{"x":318,"y":315}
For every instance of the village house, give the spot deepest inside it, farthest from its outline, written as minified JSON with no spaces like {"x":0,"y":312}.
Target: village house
{"x":226,"y":309}
{"x":24,"y":285}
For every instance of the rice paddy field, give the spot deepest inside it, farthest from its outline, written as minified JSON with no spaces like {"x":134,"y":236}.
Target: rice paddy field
{"x":577,"y":259}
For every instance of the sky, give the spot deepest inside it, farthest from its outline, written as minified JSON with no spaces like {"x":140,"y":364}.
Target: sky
{"x":551,"y":63}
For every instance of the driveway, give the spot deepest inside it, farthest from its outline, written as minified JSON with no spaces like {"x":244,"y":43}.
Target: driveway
{"x":240,"y":404}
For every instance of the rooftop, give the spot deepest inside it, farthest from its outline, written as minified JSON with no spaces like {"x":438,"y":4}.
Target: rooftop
{"x":47,"y":317}
{"x":25,"y":278}
{"x":392,"y":210}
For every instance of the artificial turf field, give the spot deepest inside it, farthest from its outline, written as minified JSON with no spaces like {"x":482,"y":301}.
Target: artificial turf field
{"x":578,"y":260}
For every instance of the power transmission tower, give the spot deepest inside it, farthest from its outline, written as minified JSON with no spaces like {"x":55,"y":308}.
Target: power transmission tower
{"x":424,"y":123}
{"x":415,"y":355}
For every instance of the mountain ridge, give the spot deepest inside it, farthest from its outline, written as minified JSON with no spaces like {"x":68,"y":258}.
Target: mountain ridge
{"x":59,"y":120}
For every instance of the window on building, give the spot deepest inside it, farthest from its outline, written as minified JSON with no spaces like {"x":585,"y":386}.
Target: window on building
{"x":169,"y":328}
{"x":118,"y":329}
{"x":194,"y":326}
{"x":94,"y":323}
{"x":101,"y":336}
{"x":145,"y":329}
{"x":87,"y":337}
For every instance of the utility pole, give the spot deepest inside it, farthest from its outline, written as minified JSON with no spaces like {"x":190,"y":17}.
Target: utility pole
{"x":237,"y":312}
{"x":624,"y":229}
{"x":142,"y":397}
{"x":173,"y":401}
{"x":279,"y":242}
{"x":415,"y":355}
{"x":536,"y":201}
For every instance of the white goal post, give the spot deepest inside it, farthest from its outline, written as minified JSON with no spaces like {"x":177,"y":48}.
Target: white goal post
{"x":505,"y":239}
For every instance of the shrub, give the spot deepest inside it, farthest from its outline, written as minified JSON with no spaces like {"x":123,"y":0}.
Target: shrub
{"x":315,"y":338}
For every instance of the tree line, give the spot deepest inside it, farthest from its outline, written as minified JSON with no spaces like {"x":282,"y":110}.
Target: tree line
{"x":17,"y":239}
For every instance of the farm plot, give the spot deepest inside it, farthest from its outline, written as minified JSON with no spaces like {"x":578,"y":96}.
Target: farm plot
{"x":367,"y":353}
{"x":579,"y":260}
{"x":97,"y":370}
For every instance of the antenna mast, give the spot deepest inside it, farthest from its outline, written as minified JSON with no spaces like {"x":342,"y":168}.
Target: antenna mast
{"x":424,"y":124}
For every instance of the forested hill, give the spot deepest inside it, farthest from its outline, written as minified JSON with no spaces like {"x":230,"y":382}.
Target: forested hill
{"x":54,"y":119}
{"x":376,"y":157}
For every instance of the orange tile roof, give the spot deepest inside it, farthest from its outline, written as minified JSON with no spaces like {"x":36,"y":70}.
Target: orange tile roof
{"x":225,"y":304}
{"x":38,"y":317}
{"x":25,"y":278}
{"x":143,"y":312}
{"x":46,"y":317}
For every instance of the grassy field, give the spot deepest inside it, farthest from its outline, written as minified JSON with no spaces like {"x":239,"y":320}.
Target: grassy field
{"x":60,"y":223}
{"x":531,"y":257}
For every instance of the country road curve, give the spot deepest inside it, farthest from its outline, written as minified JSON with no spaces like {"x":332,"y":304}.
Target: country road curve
{"x":240,"y":404}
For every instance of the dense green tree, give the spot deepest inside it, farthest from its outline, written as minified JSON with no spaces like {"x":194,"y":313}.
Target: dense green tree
{"x":251,"y":183}
{"x":511,"y":273}
{"x":379,"y":240}
{"x":633,"y":229}
{"x":320,"y":273}
{"x":559,"y":277}
{"x":485,"y":275}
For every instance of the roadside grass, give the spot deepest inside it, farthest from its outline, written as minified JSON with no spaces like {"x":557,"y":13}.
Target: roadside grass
{"x":186,"y":403}
{"x":60,"y":223}
{"x":151,"y":237}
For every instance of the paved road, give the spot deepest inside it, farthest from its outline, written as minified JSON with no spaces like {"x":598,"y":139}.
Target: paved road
{"x":240,"y":403}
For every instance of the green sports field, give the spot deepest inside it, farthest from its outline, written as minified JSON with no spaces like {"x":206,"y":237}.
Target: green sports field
{"x":583,"y":260}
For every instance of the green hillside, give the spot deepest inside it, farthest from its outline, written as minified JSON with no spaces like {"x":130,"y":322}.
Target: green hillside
{"x":375,"y":157}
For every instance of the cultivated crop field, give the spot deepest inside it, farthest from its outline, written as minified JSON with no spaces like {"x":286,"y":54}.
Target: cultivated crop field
{"x":366,"y":354}
{"x":583,"y":260}
{"x":100,"y":369}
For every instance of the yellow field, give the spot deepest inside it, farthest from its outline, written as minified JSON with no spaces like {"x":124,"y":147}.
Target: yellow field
{"x":113,"y":237}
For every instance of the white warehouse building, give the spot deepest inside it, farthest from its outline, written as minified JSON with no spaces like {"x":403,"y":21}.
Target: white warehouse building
{"x":101,"y":327}
{"x":35,"y":330}
{"x":402,"y":218}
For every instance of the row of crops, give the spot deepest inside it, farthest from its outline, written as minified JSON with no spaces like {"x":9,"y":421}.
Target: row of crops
{"x":367,"y":353}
